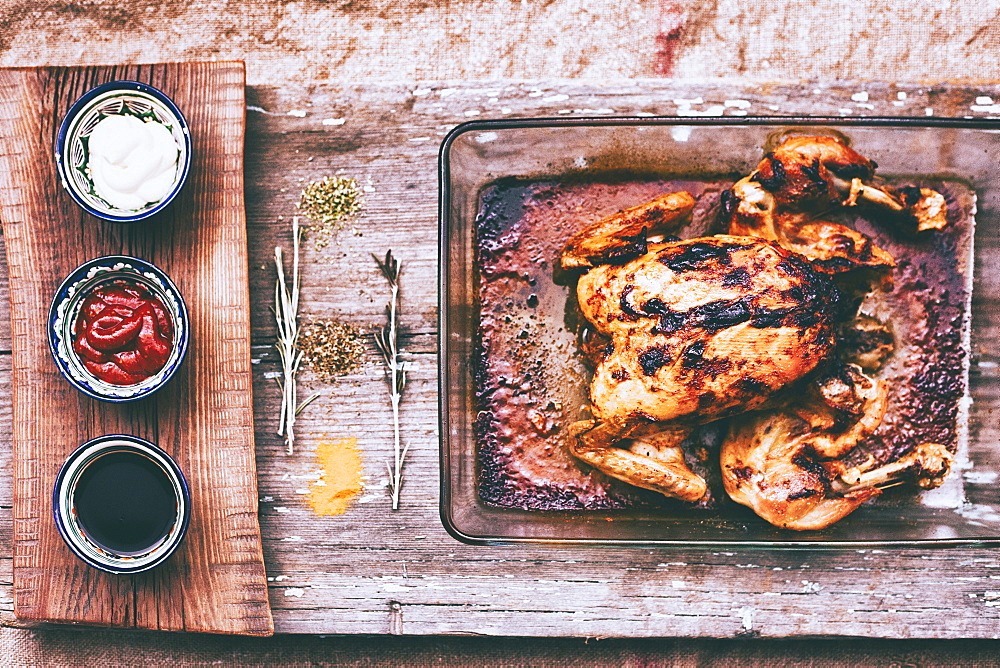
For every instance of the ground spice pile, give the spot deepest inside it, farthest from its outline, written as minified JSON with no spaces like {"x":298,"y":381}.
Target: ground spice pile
{"x":329,"y":203}
{"x":331,"y":348}
{"x":341,"y":479}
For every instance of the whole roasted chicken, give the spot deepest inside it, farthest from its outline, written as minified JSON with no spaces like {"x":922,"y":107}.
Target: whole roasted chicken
{"x":746,"y":325}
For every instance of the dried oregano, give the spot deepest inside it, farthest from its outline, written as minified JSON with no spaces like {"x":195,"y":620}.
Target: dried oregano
{"x":329,"y":203}
{"x":331,"y":348}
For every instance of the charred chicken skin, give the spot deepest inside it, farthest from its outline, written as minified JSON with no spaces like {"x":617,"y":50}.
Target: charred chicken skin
{"x":722,"y":326}
{"x":787,"y":464}
{"x":703,"y":327}
{"x":787,"y":197}
{"x":697,"y":330}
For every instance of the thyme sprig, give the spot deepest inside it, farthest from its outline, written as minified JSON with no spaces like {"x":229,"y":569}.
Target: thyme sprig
{"x":286,"y":314}
{"x":387,"y":341}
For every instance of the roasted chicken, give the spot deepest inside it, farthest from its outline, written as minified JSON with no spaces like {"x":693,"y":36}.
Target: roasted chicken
{"x":697,"y":330}
{"x":787,"y":464}
{"x":746,"y":325}
{"x":788,"y":196}
{"x":704,"y":326}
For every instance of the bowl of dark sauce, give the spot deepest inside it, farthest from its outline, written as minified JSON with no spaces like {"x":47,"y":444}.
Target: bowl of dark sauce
{"x":121,"y":504}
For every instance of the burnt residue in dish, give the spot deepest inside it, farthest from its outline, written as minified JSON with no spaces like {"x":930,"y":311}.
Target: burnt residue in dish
{"x":532,"y":374}
{"x":927,"y":308}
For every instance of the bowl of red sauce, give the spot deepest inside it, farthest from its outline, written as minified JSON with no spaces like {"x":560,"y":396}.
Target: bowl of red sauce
{"x":118,"y":328}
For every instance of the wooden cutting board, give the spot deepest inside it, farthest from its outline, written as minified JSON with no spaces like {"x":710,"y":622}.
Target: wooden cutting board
{"x":216,"y":582}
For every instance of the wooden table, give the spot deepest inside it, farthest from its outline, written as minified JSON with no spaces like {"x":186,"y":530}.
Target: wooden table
{"x":375,"y":571}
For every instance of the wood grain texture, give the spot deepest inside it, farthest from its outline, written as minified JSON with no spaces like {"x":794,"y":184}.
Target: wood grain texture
{"x":203,"y":417}
{"x":374,"y":571}
{"x":311,"y":41}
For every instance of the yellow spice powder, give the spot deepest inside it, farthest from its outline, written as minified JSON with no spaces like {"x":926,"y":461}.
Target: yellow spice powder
{"x":341,"y":479}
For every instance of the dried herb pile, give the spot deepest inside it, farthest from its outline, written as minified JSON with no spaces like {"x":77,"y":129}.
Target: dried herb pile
{"x":329,"y":203}
{"x":331,"y":348}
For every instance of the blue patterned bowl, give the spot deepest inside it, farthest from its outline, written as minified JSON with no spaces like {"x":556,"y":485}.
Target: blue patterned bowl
{"x":151,"y":505}
{"x":66,"y":307}
{"x":72,"y":152}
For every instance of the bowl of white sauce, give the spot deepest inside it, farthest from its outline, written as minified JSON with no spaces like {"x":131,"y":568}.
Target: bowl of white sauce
{"x":123,"y":151}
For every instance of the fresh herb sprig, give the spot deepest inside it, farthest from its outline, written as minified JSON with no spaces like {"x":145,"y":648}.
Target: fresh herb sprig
{"x":387,"y":341}
{"x":286,"y":317}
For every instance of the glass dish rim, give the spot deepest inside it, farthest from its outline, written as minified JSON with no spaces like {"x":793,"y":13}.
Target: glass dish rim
{"x":445,"y":224}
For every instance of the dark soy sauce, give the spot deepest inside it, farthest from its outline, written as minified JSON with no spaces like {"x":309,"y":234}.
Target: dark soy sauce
{"x":125,"y":503}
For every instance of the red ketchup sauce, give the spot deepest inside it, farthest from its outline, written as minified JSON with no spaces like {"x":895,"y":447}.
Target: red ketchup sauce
{"x":123,"y":333}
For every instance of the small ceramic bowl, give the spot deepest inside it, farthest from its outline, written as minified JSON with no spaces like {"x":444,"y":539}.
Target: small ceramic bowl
{"x":73,"y":153}
{"x":66,"y":308}
{"x":121,"y":504}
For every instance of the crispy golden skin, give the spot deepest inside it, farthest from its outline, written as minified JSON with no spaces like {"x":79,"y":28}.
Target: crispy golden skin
{"x":719,"y":326}
{"x":703,"y":327}
{"x":623,"y":234}
{"x":698,"y":329}
{"x":787,"y":197}
{"x":787,"y":463}
{"x":654,"y":458}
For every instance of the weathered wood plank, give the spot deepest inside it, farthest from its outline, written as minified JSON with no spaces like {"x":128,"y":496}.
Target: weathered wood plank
{"x":216,"y":582}
{"x":380,"y":40}
{"x":372,"y":570}
{"x":436,"y":581}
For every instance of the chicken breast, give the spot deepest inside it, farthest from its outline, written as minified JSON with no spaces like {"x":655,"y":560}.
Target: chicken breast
{"x":704,"y":328}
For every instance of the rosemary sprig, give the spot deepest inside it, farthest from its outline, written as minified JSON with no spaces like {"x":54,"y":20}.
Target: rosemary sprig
{"x":286,"y":313}
{"x":387,"y":341}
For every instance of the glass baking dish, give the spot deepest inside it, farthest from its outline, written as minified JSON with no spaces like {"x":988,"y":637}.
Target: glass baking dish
{"x":478,"y":155}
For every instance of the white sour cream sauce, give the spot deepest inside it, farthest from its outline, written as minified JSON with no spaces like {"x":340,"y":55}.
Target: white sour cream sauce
{"x":132,"y":162}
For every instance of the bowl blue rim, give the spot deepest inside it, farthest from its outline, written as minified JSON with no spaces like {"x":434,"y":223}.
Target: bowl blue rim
{"x":183,"y":334}
{"x":75,"y":109}
{"x":175,"y":468}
